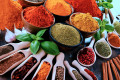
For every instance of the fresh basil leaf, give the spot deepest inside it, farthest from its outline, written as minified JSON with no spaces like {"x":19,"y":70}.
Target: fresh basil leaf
{"x":105,"y":21}
{"x":109,"y":27}
{"x":34,"y":46}
{"x":24,"y":37}
{"x":41,"y":32}
{"x":32,"y":36}
{"x":50,"y":47}
{"x":109,"y":1}
{"x":40,"y":38}
{"x":97,"y":35}
{"x":98,"y":20}
{"x":107,"y":5}
{"x":102,"y":28}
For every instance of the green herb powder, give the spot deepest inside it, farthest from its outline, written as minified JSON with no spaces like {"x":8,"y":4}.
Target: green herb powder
{"x":117,"y":27}
{"x":77,"y":75}
{"x":65,"y":34}
{"x":103,"y":49}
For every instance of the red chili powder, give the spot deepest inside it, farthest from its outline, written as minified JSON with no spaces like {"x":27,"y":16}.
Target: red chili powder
{"x":91,"y":74}
{"x":86,"y":56}
{"x":86,"y":6}
{"x":38,"y":16}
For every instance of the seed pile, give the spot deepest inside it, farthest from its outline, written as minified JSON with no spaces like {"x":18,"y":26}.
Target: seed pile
{"x":59,"y":73}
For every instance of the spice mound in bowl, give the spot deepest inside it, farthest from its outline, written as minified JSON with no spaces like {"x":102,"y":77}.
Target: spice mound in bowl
{"x":86,"y":57}
{"x":65,"y":34}
{"x":117,"y":27}
{"x":35,"y":0}
{"x":85,"y":23}
{"x":58,"y":7}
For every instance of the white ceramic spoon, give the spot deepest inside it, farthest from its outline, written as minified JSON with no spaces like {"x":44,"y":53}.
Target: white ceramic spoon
{"x":70,"y":69}
{"x":91,"y":47}
{"x":48,"y":59}
{"x":16,"y":46}
{"x":26,"y":53}
{"x":59,"y":62}
{"x":82,"y":70}
{"x":109,"y":42}
{"x":38,"y":57}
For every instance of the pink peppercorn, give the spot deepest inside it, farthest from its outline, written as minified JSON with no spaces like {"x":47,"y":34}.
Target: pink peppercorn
{"x":86,"y":56}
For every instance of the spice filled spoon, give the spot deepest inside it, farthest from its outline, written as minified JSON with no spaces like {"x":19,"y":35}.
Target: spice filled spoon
{"x":25,"y":68}
{"x":73,"y":72}
{"x":10,"y":62}
{"x":44,"y":68}
{"x":84,"y":71}
{"x":89,"y":52}
{"x":104,"y":46}
{"x":59,"y":68}
{"x":11,"y":48}
{"x":112,"y":35}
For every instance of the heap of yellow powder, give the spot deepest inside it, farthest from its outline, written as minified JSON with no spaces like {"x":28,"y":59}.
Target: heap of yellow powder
{"x":10,"y":14}
{"x":84,"y":22}
{"x":58,"y":7}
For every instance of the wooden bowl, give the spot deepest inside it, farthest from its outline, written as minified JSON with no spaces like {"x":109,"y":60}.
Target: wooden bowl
{"x":84,"y":33}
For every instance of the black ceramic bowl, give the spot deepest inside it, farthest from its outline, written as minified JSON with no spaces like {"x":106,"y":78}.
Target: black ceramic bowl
{"x":59,"y":18}
{"x":64,"y":47}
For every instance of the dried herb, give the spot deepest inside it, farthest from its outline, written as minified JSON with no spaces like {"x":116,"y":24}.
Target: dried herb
{"x":59,"y":73}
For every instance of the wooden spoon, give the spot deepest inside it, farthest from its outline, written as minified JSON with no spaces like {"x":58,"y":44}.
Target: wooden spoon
{"x":26,"y":53}
{"x":59,"y":62}
{"x":16,"y":47}
{"x":38,"y":57}
{"x":48,"y":59}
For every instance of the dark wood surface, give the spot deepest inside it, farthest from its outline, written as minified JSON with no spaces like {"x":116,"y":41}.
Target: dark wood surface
{"x":70,"y":56}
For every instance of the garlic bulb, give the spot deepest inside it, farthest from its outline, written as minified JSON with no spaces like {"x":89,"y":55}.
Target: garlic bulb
{"x":9,"y":36}
{"x":17,"y":31}
{"x":25,"y":31}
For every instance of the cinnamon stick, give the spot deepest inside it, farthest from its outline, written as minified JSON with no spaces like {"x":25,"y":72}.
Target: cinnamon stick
{"x":115,"y":70}
{"x":116,"y":63}
{"x":103,"y":68}
{"x":106,"y":73}
{"x":117,"y":59}
{"x":109,"y":71}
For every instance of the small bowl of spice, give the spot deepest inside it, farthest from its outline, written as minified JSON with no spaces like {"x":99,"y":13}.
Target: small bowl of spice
{"x":103,"y":49}
{"x":34,"y":18}
{"x":117,"y":27}
{"x":113,"y":40}
{"x":85,"y":23}
{"x":66,"y":36}
{"x":60,"y":9}
{"x":86,"y":56}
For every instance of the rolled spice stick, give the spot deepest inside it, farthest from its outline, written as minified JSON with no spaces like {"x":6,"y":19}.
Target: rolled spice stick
{"x":117,"y":59}
{"x":103,"y":68}
{"x":106,"y":73}
{"x":115,"y":70}
{"x":116,"y":63}
{"x":109,"y":71}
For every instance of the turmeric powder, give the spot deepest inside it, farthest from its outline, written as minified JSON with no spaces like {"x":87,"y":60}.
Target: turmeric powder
{"x":43,"y":72}
{"x":10,"y":14}
{"x":58,"y":7}
{"x":84,"y":22}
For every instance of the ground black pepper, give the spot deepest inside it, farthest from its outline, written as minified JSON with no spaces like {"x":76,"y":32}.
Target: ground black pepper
{"x":59,"y":73}
{"x":20,"y":73}
{"x":6,"y":49}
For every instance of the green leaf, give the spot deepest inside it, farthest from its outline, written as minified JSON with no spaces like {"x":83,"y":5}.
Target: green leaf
{"x":102,"y":28}
{"x":97,"y":36}
{"x":109,"y":1}
{"x":107,"y":5}
{"x":50,"y":47}
{"x":40,"y":38}
{"x":32,"y":36}
{"x":24,"y":37}
{"x":98,"y":20}
{"x":34,"y":46}
{"x":41,"y":32}
{"x":109,"y":27}
{"x":105,"y":21}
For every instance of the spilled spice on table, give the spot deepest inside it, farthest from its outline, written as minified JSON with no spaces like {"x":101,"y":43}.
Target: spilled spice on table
{"x":20,"y":73}
{"x":6,"y":49}
{"x":43,"y":72}
{"x":8,"y":62}
{"x":59,"y":73}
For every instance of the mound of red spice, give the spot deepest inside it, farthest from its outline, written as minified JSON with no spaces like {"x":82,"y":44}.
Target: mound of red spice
{"x":86,"y":56}
{"x":38,"y":16}
{"x":86,"y":6}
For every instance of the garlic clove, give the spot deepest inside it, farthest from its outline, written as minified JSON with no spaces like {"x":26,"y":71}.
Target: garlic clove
{"x":9,"y":36}
{"x":17,"y":31}
{"x":25,"y":31}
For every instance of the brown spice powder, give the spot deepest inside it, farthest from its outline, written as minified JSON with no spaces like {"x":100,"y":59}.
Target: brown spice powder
{"x":59,"y":73}
{"x":8,"y":62}
{"x":6,"y":49}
